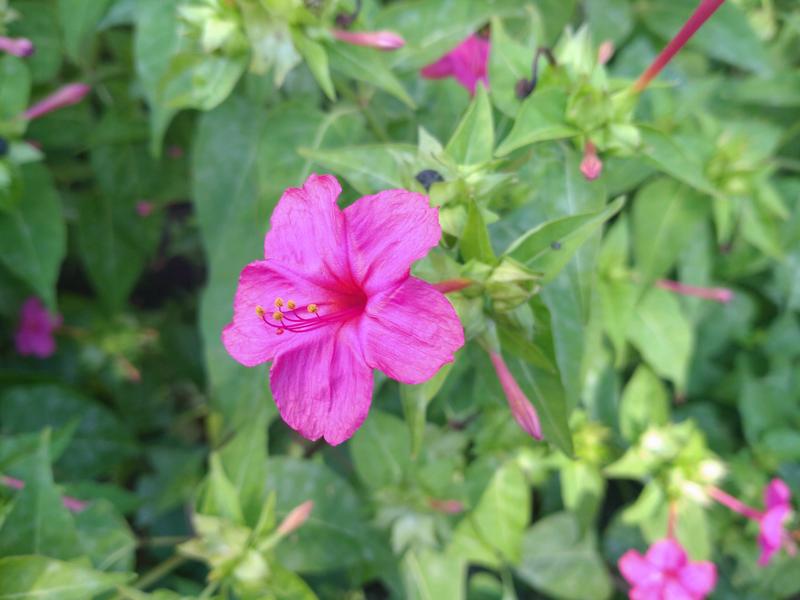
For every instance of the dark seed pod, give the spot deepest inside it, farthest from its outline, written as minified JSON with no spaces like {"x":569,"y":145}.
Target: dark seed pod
{"x":428,"y":177}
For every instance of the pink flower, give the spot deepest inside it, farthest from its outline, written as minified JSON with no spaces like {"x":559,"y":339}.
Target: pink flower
{"x":381,"y":40}
{"x":591,"y":165}
{"x":522,"y":409}
{"x":772,"y":534}
{"x":17,"y":46}
{"x":65,"y":96}
{"x":334,"y":300}
{"x":144,"y":208}
{"x":665,"y":573}
{"x":772,"y":523}
{"x":467,"y":62}
{"x":36,"y":326}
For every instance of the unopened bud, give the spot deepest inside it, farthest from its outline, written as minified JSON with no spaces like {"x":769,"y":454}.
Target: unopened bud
{"x":605,"y":52}
{"x":450,"y":507}
{"x":522,"y":409}
{"x":591,"y":165}
{"x":381,"y":40}
{"x":511,"y":284}
{"x":295,"y":518}
{"x":65,"y":96}
{"x":21,"y":47}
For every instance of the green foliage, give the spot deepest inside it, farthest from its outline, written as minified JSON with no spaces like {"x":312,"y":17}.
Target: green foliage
{"x":140,"y":461}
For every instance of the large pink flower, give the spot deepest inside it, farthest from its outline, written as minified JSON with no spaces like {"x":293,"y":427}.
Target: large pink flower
{"x":334,"y":300}
{"x":467,"y":62}
{"x":772,"y":534}
{"x":666,"y":573}
{"x":35,"y":333}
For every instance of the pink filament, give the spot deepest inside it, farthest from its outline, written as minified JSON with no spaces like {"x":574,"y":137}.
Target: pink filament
{"x":700,"y":16}
{"x":72,"y":504}
{"x":722,"y":295}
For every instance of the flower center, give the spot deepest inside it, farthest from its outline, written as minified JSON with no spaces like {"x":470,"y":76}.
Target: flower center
{"x":288,"y":316}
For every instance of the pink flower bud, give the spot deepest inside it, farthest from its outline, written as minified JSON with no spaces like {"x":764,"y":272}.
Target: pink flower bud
{"x":450,"y":507}
{"x":295,"y":518}
{"x":175,"y":152}
{"x":452,"y":285}
{"x":591,"y":165}
{"x":72,"y":504}
{"x":21,"y":47}
{"x":521,"y":407}
{"x":723,"y":295}
{"x":66,"y":96}
{"x":382,"y":40}
{"x":144,"y":208}
{"x":34,"y":336}
{"x":605,"y":52}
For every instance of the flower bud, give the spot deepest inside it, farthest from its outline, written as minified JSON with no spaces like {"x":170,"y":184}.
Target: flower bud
{"x":381,"y":40}
{"x":295,"y":518}
{"x":21,"y":47}
{"x":591,"y":165}
{"x":511,"y":284}
{"x":65,"y":96}
{"x":522,"y":409}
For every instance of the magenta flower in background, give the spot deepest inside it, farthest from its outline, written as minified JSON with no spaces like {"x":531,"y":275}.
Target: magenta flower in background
{"x":334,"y":300}
{"x":666,"y":573}
{"x":34,"y":336}
{"x":772,"y":534}
{"x":467,"y":62}
{"x":381,"y":40}
{"x":522,"y":409}
{"x":21,"y":47}
{"x":65,"y":96}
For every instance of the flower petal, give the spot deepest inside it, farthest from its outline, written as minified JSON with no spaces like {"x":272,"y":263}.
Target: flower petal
{"x":777,"y":493}
{"x":771,"y":534}
{"x":410,"y":332}
{"x":323,"y":388}
{"x":248,"y":338}
{"x":439,"y":69}
{"x":666,"y":555}
{"x":388,"y":232}
{"x":636,"y":570}
{"x":653,"y":591}
{"x":307,"y":232}
{"x":673,"y":590}
{"x":699,"y":578}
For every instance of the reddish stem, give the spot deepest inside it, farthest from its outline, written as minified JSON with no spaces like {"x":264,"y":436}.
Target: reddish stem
{"x":734,"y":504}
{"x":72,"y":504}
{"x":672,"y":520}
{"x":700,"y":16}
{"x":453,"y":285}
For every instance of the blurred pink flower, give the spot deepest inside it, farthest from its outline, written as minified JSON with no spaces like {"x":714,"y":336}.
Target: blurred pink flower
{"x":17,"y":46}
{"x":381,"y":40}
{"x":334,"y":300}
{"x":144,"y":208}
{"x":35,"y":333}
{"x":467,"y":62}
{"x":70,"y":503}
{"x":605,"y":52}
{"x":65,"y":96}
{"x":772,"y":534}
{"x":666,"y":573}
{"x":522,"y":409}
{"x":591,"y":165}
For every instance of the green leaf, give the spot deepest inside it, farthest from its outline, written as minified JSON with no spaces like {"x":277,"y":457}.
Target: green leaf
{"x":15,"y":87}
{"x":199,"y":81}
{"x":369,"y":168}
{"x":663,"y":335}
{"x":549,"y":247}
{"x":156,"y":39}
{"x":473,"y":140}
{"x":415,"y":399}
{"x":79,"y":19}
{"x":106,"y":537}
{"x":610,"y":19}
{"x":381,"y":450}
{"x":558,"y":561}
{"x":220,"y":497}
{"x":430,"y":575}
{"x":366,"y":65}
{"x":644,"y":403}
{"x":317,"y":60}
{"x":334,"y":536}
{"x":542,"y":117}
{"x":666,"y":216}
{"x":509,"y":62}
{"x":665,"y":154}
{"x":475,"y":243}
{"x":41,"y":27}
{"x":23,"y":577}
{"x":582,"y":489}
{"x":491,"y":533}
{"x":38,"y":522}
{"x":33,"y":234}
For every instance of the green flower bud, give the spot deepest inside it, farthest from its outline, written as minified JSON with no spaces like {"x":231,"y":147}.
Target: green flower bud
{"x":511,"y":284}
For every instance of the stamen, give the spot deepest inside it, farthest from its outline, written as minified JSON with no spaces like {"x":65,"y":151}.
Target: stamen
{"x":279,"y":331}
{"x":260,"y":311}
{"x":312,"y":308}
{"x":278,"y":302}
{"x":291,"y":305}
{"x":277,"y":315}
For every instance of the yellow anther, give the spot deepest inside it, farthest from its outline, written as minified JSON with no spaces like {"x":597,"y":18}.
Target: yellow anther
{"x":312,"y":308}
{"x":277,"y":315}
{"x":260,"y":311}
{"x":291,"y":305}
{"x":279,"y":332}
{"x":278,"y":302}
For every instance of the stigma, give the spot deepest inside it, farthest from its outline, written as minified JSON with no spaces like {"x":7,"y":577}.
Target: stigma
{"x":290,"y":317}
